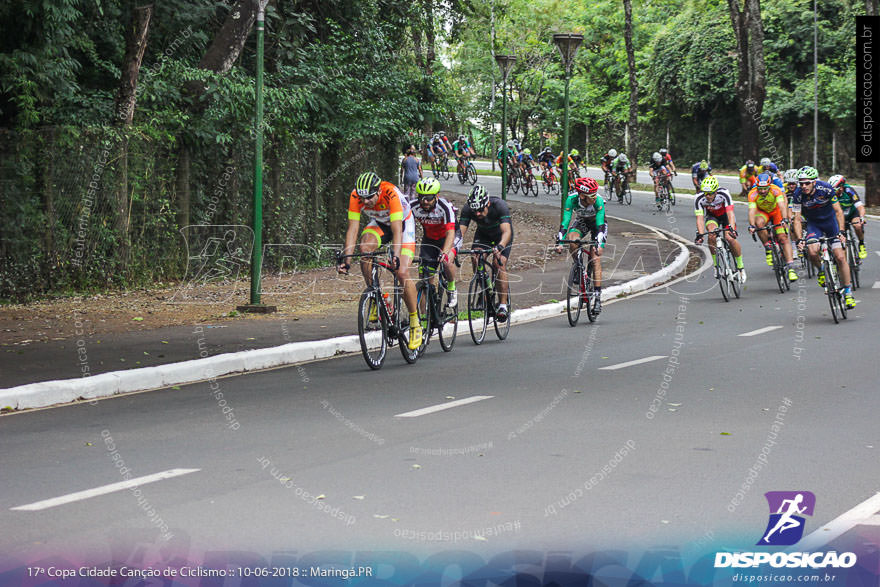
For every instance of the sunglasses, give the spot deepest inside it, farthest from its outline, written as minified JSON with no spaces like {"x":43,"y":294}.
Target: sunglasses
{"x":806,"y":182}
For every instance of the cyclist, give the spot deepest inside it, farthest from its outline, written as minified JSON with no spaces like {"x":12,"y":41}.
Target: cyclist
{"x":442,"y":236}
{"x":525,"y":159}
{"x":572,"y":166}
{"x":410,"y":171}
{"x":588,"y":207}
{"x":391,"y":220}
{"x":699,"y":171}
{"x":853,"y":209}
{"x":501,"y":154}
{"x":545,"y":160}
{"x":767,"y":204}
{"x":658,"y":170}
{"x":445,"y":140}
{"x":576,"y":157}
{"x":714,"y":207}
{"x":619,"y":167}
{"x":462,"y":149}
{"x":494,"y":231}
{"x":791,"y":181}
{"x":770,"y":168}
{"x":667,"y":159}
{"x":605,"y":163}
{"x":747,"y":175}
{"x":436,"y":147}
{"x":817,"y":202}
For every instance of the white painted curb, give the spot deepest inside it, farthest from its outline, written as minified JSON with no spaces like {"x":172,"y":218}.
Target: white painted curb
{"x":47,"y":393}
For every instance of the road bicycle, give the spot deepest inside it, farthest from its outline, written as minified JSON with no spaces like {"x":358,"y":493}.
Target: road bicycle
{"x":529,"y":181}
{"x":581,"y":289}
{"x":626,"y":195}
{"x":665,"y":194}
{"x":434,"y":310}
{"x":467,"y":173}
{"x":852,"y":255}
{"x":389,"y":327}
{"x":832,"y":286}
{"x":780,"y":269}
{"x":440,"y":167}
{"x":551,"y":184}
{"x":484,"y":299}
{"x":725,"y":266}
{"x":609,"y":187}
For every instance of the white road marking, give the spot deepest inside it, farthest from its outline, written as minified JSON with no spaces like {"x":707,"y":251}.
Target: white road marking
{"x":103,"y":490}
{"x":760,"y":331}
{"x":858,"y":515}
{"x":441,"y":407}
{"x":631,"y":363}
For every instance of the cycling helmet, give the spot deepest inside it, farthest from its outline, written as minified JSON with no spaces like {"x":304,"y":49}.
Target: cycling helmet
{"x":527,"y":151}
{"x":436,"y":137}
{"x":704,"y":165}
{"x":791,"y":176}
{"x":443,"y":133}
{"x":837,"y":181}
{"x":623,"y":159}
{"x":612,"y":153}
{"x":750,"y":164}
{"x":765,"y":162}
{"x":664,"y":151}
{"x":462,"y":137}
{"x":478,"y":198}
{"x":764,"y":181}
{"x":367,"y":185}
{"x":574,"y":153}
{"x":709,"y":185}
{"x":807,"y":172}
{"x":511,"y":143}
{"x":586,"y":185}
{"x":547,"y":150}
{"x":656,"y":158}
{"x":427,"y":186}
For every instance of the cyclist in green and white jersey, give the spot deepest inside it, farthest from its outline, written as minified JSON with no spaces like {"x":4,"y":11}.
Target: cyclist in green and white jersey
{"x":853,"y":209}
{"x":588,"y":208}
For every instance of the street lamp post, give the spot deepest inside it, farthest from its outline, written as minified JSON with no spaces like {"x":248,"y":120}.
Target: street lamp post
{"x":505,"y":62}
{"x":568,"y":44}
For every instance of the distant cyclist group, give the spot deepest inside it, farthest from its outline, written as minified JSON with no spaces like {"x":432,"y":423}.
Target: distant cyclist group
{"x":818,"y":213}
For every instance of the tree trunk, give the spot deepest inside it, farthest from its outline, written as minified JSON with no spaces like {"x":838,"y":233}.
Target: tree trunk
{"x":751,"y":82}
{"x":633,"y":122}
{"x":872,"y":8}
{"x":182,"y":186}
{"x":126,"y":98}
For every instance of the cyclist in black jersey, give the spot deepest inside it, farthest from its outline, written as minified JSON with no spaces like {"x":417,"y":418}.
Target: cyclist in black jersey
{"x":494,"y":230}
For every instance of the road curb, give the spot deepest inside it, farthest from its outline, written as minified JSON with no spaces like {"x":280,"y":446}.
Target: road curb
{"x":49,"y":393}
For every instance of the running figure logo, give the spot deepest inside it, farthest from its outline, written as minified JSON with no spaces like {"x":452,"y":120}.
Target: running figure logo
{"x":786,"y":525}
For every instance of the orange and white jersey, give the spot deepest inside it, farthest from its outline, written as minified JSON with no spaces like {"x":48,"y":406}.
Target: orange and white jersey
{"x":391,"y":205}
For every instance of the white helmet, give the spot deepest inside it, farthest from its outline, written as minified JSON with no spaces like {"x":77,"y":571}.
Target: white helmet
{"x":656,"y":158}
{"x":790,"y":176}
{"x":612,"y":153}
{"x":765,"y":162}
{"x":623,"y":158}
{"x":837,"y":181}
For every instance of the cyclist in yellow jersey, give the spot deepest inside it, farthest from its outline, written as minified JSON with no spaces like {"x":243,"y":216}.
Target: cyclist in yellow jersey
{"x":767,"y":204}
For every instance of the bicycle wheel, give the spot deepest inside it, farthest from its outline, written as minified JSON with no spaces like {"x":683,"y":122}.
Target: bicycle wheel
{"x":444,"y":168}
{"x":590,"y":292}
{"x":471,"y":174}
{"x":722,"y":269}
{"x":672,"y":194}
{"x":374,"y":357}
{"x":547,"y":186}
{"x":477,"y":305}
{"x":627,"y":194}
{"x":462,"y":176}
{"x":410,"y":356}
{"x":779,"y":268}
{"x":831,"y":291}
{"x":574,"y":294}
{"x":534,"y":181}
{"x":435,"y":168}
{"x":666,"y":200}
{"x":609,"y":190}
{"x":502,"y":329}
{"x":424,"y":301}
{"x":735,"y":284}
{"x":514,"y":181}
{"x":447,"y":329}
{"x":852,"y":256}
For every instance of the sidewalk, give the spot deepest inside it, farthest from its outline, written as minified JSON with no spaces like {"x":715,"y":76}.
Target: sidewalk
{"x":633,"y":251}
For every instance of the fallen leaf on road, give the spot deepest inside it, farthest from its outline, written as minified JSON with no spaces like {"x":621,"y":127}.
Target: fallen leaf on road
{"x":481,"y":538}
{"x":138,"y":319}
{"x":674,"y":405}
{"x":361,"y":497}
{"x":322,"y":496}
{"x":380,"y":516}
{"x":725,"y":434}
{"x":416,"y":466}
{"x":89,"y":444}
{"x":164,"y":342}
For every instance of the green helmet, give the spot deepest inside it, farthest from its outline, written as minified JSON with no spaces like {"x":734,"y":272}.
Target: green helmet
{"x":709,"y":185}
{"x":428,"y":186}
{"x":367,"y":185}
{"x":575,"y":153}
{"x":704,"y":165}
{"x":807,"y":172}
{"x":527,"y":151}
{"x":478,"y":198}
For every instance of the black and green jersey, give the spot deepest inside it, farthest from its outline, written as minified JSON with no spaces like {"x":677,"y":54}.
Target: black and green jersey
{"x":573,"y":206}
{"x":848,"y":198}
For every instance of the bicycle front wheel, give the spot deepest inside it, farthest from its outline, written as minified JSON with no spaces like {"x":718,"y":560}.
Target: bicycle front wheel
{"x":471,"y":174}
{"x":502,"y":329}
{"x":722,"y":269}
{"x":852,"y":255}
{"x":447,"y":330}
{"x":574,"y":294}
{"x":424,"y":301}
{"x":590,"y":291}
{"x":779,"y":269}
{"x":369,"y":303}
{"x":735,"y":284}
{"x":627,"y":194}
{"x":477,"y":309}
{"x":831,"y":291}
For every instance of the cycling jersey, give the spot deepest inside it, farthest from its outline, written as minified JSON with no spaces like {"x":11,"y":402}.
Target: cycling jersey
{"x":658,"y":166}
{"x":391,"y":205}
{"x":489,"y":227}
{"x":817,"y":206}
{"x":747,"y":178}
{"x":438,"y":221}
{"x":546,"y":158}
{"x":573,"y":206}
{"x":605,"y":161}
{"x":559,"y":160}
{"x":849,"y":198}
{"x":717,"y":208}
{"x":617,"y":164}
{"x":438,"y":145}
{"x":462,"y":146}
{"x":773,"y":199}
{"x":700,"y":174}
{"x":771,"y":169}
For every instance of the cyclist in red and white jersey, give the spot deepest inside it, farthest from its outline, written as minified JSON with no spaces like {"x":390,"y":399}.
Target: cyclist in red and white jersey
{"x":442,"y":234}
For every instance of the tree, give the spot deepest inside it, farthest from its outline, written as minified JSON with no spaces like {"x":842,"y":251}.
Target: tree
{"x":751,"y":71}
{"x":633,"y":83}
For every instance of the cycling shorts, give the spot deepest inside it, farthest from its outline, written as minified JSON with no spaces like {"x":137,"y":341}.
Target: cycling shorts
{"x":588,"y":225}
{"x":774,"y":216}
{"x":481,"y":242}
{"x":827,"y":228}
{"x":383,"y":234}
{"x":429,"y":250}
{"x":717,"y":221}
{"x":850,"y":214}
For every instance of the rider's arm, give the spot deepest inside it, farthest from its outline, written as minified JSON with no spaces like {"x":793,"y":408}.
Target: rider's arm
{"x":566,"y":213}
{"x":600,"y":211}
{"x":782,"y":204}
{"x":701,"y":221}
{"x":506,"y":234}
{"x":838,"y":211}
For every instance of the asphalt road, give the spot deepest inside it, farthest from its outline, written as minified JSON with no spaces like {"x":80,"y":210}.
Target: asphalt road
{"x":636,"y":431}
